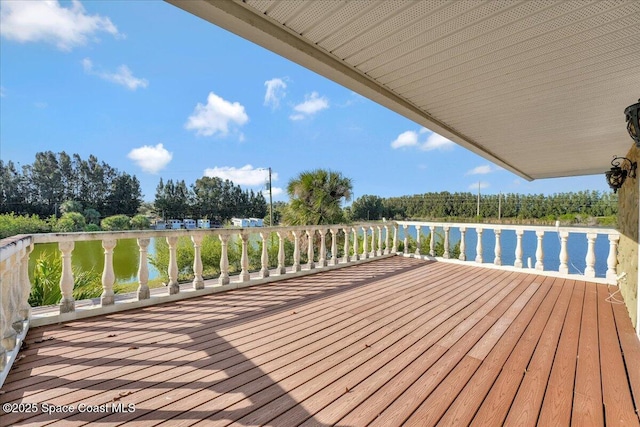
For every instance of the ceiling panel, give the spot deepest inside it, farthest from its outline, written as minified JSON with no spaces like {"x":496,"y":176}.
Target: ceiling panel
{"x":538,"y":87}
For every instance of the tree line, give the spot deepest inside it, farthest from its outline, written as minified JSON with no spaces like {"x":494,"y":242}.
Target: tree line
{"x":52,"y":179}
{"x":465,"y":205}
{"x":208,"y":197}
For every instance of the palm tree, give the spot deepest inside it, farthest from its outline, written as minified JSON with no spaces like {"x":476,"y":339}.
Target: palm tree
{"x":316,"y":198}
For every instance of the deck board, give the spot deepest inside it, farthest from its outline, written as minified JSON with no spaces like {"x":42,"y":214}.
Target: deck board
{"x":394,"y":341}
{"x":618,"y":402}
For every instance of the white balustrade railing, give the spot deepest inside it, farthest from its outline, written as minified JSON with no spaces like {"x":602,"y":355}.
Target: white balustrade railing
{"x":413,"y":233}
{"x":14,"y":298}
{"x":360,"y":242}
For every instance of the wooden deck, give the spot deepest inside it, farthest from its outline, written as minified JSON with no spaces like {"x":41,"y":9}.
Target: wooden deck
{"x":391,"y":342}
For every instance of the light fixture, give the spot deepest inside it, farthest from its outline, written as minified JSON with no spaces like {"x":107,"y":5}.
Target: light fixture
{"x":633,"y":125}
{"x":621,"y":169}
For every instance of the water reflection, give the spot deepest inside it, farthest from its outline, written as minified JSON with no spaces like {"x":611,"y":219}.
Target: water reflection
{"x":90,"y":256}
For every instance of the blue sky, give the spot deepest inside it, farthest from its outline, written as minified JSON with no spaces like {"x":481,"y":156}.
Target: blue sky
{"x":157,"y":92}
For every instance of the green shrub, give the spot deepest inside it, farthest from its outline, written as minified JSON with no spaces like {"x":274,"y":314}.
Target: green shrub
{"x":45,"y":283}
{"x":92,"y":216}
{"x":115,"y":223}
{"x":70,"y":222}
{"x":12,"y":224}
{"x":92,"y":227}
{"x":140,"y":222}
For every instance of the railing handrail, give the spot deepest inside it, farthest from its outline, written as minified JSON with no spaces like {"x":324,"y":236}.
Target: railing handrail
{"x":514,"y":227}
{"x":82,"y":236}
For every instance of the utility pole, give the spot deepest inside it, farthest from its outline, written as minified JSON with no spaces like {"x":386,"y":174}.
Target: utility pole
{"x":270,"y":201}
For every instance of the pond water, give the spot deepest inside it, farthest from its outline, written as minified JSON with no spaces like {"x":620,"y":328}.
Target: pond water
{"x":90,"y":256}
{"x":576,"y":247}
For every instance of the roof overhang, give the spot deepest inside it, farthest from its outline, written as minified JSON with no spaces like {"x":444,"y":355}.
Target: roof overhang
{"x":538,"y":88}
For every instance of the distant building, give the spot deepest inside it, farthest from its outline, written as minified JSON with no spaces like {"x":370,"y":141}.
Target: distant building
{"x":175,"y":224}
{"x":247,"y":222}
{"x":204,"y":223}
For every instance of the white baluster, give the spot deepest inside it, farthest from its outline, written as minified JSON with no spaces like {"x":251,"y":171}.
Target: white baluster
{"x":67,"y":304}
{"x":296,"y":251}
{"x":387,"y":248}
{"x":365,"y":237}
{"x":373,"y":241}
{"x":564,"y":254}
{"x":16,"y":291}
{"x":264,"y":260}
{"x":463,"y":244}
{"x":479,"y":246}
{"x":418,"y":241}
{"x":310,"y":234}
{"x":446,"y":253}
{"x":355,"y":244}
{"x":498,"y":248}
{"x":282,"y":269}
{"x":224,"y":259}
{"x":108,"y":276}
{"x":518,"y":261}
{"x":198,"y":280}
{"x":323,"y":247}
{"x":334,"y":246}
{"x":590,"y":259}
{"x":539,"y":251}
{"x":25,"y":283}
{"x":173,"y":285}
{"x":143,"y":270}
{"x":8,"y":334}
{"x":432,"y":241}
{"x":394,"y":248}
{"x":346,"y":257}
{"x":244,"y":259}
{"x":380,"y":251}
{"x":406,"y":239}
{"x":612,"y":259}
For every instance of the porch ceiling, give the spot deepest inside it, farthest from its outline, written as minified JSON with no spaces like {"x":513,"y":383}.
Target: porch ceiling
{"x":537,"y":87}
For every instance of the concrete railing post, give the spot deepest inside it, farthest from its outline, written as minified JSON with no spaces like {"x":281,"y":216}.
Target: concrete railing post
{"x":67,"y":303}
{"x":108,"y":275}
{"x":172,"y":270}
{"x":198,"y":281}
{"x":143,"y":270}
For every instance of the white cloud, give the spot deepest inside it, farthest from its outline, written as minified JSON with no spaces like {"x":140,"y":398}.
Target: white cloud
{"x":216,"y":116}
{"x":312,"y":104}
{"x":275,"y":92}
{"x":40,"y":104}
{"x":123,"y":76}
{"x":436,"y":142}
{"x":151,"y":159}
{"x":405,"y":139}
{"x":47,"y":21}
{"x":474,"y":186}
{"x":246,"y":175}
{"x":412,"y":139}
{"x":480,"y":170}
{"x":2,"y":92}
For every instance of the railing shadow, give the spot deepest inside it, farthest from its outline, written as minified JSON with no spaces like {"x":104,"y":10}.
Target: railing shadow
{"x":205,"y":376}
